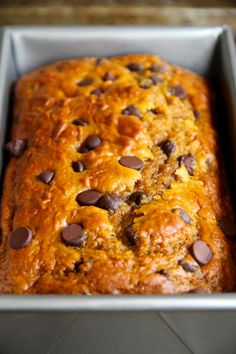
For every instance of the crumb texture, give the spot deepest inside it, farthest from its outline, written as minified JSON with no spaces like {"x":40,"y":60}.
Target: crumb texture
{"x":114,"y":184}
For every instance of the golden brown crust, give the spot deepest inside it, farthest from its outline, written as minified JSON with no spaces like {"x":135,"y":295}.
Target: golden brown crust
{"x":46,"y":103}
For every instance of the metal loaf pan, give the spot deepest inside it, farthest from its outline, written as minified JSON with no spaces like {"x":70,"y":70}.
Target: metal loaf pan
{"x":122,"y":324}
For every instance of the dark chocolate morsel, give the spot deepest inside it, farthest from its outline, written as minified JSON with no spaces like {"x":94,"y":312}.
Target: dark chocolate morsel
{"x":46,"y":176}
{"x":179,"y":92}
{"x":131,"y":162}
{"x":188,"y":161}
{"x":132,"y":110}
{"x":20,"y":237}
{"x":97,"y":91}
{"x":89,"y":197}
{"x":109,"y":202}
{"x":201,"y":252}
{"x":73,"y":235}
{"x":78,"y":166}
{"x":80,"y":122}
{"x":16,"y":147}
{"x":197,"y":114}
{"x":109,"y":77}
{"x":135,"y":67}
{"x":168,"y":147}
{"x":158,"y":68}
{"x":90,"y":143}
{"x":137,"y":197}
{"x":183,"y":215}
{"x":188,"y":267}
{"x":130,"y":234}
{"x":85,"y":82}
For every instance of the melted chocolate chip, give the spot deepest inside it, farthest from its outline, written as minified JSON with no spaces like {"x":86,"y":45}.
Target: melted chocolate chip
{"x":89,"y":197}
{"x":168,"y":147}
{"x":201,"y":252}
{"x":155,"y":68}
{"x":109,"y":77}
{"x":131,"y":162}
{"x":99,"y":61}
{"x":197,"y":114}
{"x":97,"y":92}
{"x":46,"y":176}
{"x":188,"y":267}
{"x":228,"y":226}
{"x":73,"y":235}
{"x":146,"y":83}
{"x":78,"y":166}
{"x":80,"y":122}
{"x":130,"y":234}
{"x":156,"y":79}
{"x":179,"y":92}
{"x":109,"y":202}
{"x":135,"y":67}
{"x":20,"y":238}
{"x":85,"y":82}
{"x":90,"y":143}
{"x":83,"y":150}
{"x":183,"y":215}
{"x":188,"y":161}
{"x":163,"y":272}
{"x":16,"y":147}
{"x":132,"y":110}
{"x":137,"y":197}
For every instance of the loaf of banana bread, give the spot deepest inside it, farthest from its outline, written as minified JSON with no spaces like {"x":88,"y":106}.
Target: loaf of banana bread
{"x":114,"y":183}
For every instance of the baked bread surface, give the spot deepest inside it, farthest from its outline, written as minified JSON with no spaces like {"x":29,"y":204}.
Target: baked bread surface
{"x":137,"y":133}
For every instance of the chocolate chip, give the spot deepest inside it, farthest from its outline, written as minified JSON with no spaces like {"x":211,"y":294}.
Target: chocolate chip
{"x":228,"y":226}
{"x":89,"y":197}
{"x":80,"y":122}
{"x":197,"y":114}
{"x":168,"y":147}
{"x":146,"y":83}
{"x":163,"y":272}
{"x":135,"y":67}
{"x":131,"y":162}
{"x":188,"y":267}
{"x":158,"y":68}
{"x":201,"y":252}
{"x":132,"y":110}
{"x":154,"y":110}
{"x":46,"y":176}
{"x":20,"y":237}
{"x":85,"y":82}
{"x":109,"y":77}
{"x":73,"y":235}
{"x":156,"y":79}
{"x":183,"y":215}
{"x":97,"y":91}
{"x":78,"y":166}
{"x":83,"y":150}
{"x":130,"y":234}
{"x":109,"y":202}
{"x":90,"y":143}
{"x":16,"y":147}
{"x":99,"y":61}
{"x":137,"y":197}
{"x":188,"y":161}
{"x":179,"y":92}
